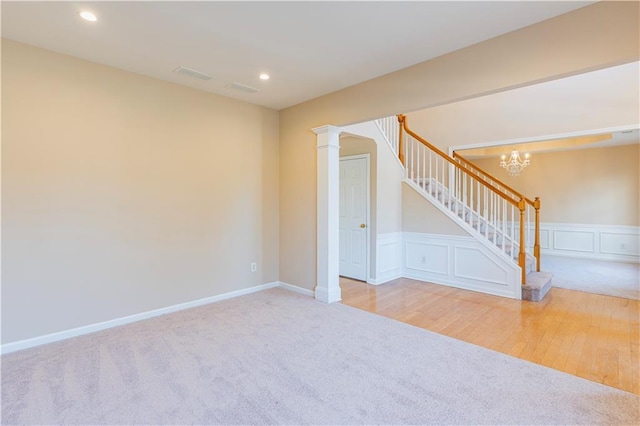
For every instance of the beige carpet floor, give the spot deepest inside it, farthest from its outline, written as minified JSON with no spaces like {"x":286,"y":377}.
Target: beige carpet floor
{"x":594,"y":276}
{"x":276,"y":357}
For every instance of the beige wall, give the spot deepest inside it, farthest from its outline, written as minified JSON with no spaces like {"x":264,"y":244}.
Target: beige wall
{"x":123,"y":194}
{"x":598,"y":36}
{"x":419,"y":215}
{"x":588,"y":186}
{"x":390,"y":176}
{"x":354,"y":146}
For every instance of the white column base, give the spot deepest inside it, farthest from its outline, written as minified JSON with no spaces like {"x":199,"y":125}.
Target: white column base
{"x":328,"y":295}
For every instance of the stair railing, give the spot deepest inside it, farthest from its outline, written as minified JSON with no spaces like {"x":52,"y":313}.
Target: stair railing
{"x":501,"y":186}
{"x":488,"y":210}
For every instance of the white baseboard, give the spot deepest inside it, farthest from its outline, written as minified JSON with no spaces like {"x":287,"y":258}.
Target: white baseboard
{"x":386,"y":277}
{"x":296,"y":289}
{"x":92,"y":328}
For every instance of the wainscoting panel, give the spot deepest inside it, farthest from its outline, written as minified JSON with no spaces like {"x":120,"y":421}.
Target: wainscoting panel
{"x":428,"y":257}
{"x":459,"y":262}
{"x":619,"y":244}
{"x":388,"y":258}
{"x":598,"y":242}
{"x":473,"y":264}
{"x":544,"y":238}
{"x":574,"y":240}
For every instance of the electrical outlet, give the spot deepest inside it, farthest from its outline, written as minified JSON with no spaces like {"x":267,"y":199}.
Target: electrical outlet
{"x":424,"y":259}
{"x":254,"y":267}
{"x":622,"y":246}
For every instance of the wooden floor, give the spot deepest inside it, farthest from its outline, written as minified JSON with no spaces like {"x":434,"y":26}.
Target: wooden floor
{"x":588,"y":335}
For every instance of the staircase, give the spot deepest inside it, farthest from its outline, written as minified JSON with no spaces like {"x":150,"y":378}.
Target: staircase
{"x":496,"y":215}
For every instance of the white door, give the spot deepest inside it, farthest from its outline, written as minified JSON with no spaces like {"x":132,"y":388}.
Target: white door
{"x":354,"y":204}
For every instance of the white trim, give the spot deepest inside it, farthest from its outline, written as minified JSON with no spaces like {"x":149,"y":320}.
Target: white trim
{"x":328,"y":295}
{"x":367,"y":157}
{"x":296,"y":289}
{"x":92,"y":328}
{"x":566,"y":135}
{"x":385,"y":278}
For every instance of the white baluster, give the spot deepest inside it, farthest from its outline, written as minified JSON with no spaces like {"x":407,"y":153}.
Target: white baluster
{"x":446,"y":180}
{"x":496,"y":210}
{"x":486,"y":211}
{"x":435,"y":181}
{"x":504,"y":223}
{"x":413,"y":148}
{"x":470,"y":201}
{"x":478,"y":211}
{"x":528,"y":227}
{"x":424,"y":168}
{"x":513,"y":228}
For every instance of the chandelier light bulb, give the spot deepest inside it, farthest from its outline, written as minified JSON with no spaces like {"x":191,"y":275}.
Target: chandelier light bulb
{"x":515,"y":165}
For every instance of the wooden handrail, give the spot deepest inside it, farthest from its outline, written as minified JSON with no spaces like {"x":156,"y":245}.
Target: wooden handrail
{"x":403,"y":124}
{"x":490,"y":176}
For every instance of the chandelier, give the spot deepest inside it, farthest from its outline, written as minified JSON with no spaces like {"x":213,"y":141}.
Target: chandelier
{"x":515,"y":165}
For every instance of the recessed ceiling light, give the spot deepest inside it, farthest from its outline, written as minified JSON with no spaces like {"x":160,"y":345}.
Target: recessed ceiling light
{"x":88,"y":16}
{"x":264,"y":76}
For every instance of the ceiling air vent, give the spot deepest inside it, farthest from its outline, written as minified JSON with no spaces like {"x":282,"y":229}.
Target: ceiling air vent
{"x":192,"y":73}
{"x":242,"y":87}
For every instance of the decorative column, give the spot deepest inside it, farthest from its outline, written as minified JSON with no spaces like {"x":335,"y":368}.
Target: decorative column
{"x":328,"y":193}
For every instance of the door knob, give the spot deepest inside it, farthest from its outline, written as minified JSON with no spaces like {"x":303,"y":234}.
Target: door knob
{"x":362,"y":225}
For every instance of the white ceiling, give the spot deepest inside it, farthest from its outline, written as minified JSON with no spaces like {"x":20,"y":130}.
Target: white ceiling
{"x":309,"y":48}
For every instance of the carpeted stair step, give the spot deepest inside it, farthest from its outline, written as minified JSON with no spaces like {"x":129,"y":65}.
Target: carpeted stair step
{"x":538,"y":284}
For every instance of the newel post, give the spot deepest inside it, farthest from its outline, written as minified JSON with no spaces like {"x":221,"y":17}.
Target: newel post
{"x":536,"y":246}
{"x":522,"y":256}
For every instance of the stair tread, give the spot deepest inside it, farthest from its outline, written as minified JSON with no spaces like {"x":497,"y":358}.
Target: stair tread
{"x":537,"y":286}
{"x":538,"y":279}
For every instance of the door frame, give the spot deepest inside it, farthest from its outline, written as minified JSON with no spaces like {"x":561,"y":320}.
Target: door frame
{"x":368,"y":214}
